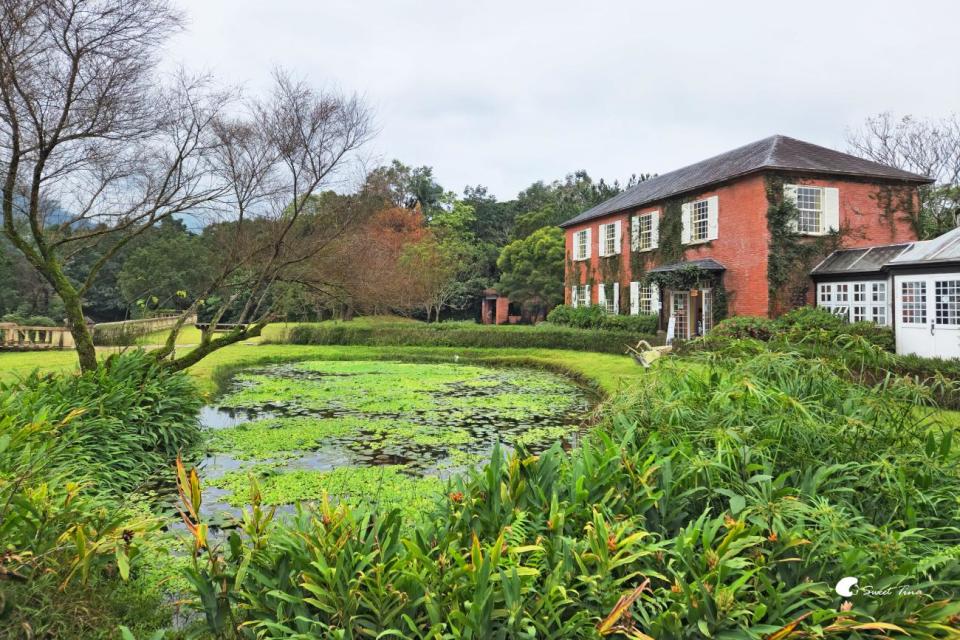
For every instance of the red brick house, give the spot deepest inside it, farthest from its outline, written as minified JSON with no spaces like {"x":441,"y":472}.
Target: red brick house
{"x":714,"y":236}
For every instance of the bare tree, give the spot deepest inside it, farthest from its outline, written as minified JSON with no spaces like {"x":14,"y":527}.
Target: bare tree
{"x":925,"y":146}
{"x":272,"y":161}
{"x":90,"y":134}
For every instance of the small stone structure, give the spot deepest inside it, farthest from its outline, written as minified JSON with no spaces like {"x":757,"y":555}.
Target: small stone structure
{"x":30,"y":338}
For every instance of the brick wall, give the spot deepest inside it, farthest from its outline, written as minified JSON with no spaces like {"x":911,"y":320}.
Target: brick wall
{"x":743,"y":238}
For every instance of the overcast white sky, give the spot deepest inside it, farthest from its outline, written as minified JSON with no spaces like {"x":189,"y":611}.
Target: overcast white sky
{"x":506,"y":93}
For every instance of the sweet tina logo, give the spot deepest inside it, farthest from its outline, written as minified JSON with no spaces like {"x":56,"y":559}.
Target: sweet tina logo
{"x":846,"y":587}
{"x":849,"y":587}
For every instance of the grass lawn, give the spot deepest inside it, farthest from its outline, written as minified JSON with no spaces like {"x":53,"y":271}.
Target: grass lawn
{"x":606,"y":372}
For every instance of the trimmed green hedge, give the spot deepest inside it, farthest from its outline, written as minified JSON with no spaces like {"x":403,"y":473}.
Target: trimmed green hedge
{"x":465,"y":334}
{"x":595,"y":317}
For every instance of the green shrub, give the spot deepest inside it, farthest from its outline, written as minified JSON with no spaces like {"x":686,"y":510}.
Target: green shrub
{"x":132,"y":417}
{"x":745,"y":327}
{"x":72,"y":448}
{"x":596,"y":317}
{"x":29,"y":321}
{"x":805,"y":321}
{"x":468,"y":335}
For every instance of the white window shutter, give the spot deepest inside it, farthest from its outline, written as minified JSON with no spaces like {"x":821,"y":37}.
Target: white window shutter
{"x":713,"y":217}
{"x":586,"y":296}
{"x":616,"y":295}
{"x":831,"y":209}
{"x":655,"y":229}
{"x":685,"y":221}
{"x":790,"y":195}
{"x":589,"y":243}
{"x":634,"y":298}
{"x":573,"y":296}
{"x":602,"y":242}
{"x":618,"y":236}
{"x":654,"y":298}
{"x":634,"y":233}
{"x":602,"y":295}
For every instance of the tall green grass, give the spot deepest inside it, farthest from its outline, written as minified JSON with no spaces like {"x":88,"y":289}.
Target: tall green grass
{"x":74,"y":451}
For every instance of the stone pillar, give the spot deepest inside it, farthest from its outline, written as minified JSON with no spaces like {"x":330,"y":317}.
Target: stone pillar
{"x":503,"y":308}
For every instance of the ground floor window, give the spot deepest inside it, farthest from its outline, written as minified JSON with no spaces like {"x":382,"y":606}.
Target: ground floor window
{"x":947,"y":301}
{"x":580,"y":295}
{"x":609,"y":297}
{"x":913,"y":307}
{"x":855,"y":301}
{"x":707,"y":311}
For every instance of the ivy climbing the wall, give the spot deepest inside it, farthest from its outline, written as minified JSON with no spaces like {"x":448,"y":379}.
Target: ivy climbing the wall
{"x":894,"y":199}
{"x":791,"y":256}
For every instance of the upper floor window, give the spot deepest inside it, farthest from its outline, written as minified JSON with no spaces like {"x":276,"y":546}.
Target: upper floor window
{"x":809,"y":209}
{"x":818,"y":208}
{"x":700,"y":220}
{"x":645,"y":231}
{"x":610,"y":238}
{"x":581,"y":245}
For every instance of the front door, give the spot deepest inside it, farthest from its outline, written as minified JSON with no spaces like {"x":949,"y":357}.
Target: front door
{"x":927,"y":309}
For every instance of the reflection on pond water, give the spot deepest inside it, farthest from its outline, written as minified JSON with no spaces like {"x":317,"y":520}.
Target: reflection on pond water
{"x":387,"y":432}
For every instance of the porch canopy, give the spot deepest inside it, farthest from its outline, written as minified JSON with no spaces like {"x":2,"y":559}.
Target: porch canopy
{"x":704,"y":264}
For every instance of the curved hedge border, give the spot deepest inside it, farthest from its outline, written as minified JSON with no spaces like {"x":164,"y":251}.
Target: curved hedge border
{"x":468,"y":336}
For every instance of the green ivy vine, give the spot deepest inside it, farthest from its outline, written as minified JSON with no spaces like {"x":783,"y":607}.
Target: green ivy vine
{"x":791,"y":256}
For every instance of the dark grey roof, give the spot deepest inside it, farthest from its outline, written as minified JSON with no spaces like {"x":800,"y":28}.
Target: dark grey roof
{"x":707,"y":264}
{"x":859,"y":261}
{"x":943,"y":248}
{"x":775,"y":152}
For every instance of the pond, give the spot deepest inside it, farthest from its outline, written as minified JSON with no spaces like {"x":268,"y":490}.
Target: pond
{"x":383,"y":432}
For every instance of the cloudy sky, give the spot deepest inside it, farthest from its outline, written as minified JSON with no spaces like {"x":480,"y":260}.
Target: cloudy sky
{"x":506,"y":93}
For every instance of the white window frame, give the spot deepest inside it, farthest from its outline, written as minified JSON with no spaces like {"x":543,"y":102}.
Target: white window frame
{"x":651,"y":220}
{"x":581,"y":245}
{"x":711,"y":224}
{"x":859,"y":301}
{"x":610,"y":239}
{"x":828,"y":213}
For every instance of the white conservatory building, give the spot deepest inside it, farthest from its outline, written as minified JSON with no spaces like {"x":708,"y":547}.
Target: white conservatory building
{"x":913,"y":287}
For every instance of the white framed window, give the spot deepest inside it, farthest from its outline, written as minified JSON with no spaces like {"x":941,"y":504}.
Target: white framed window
{"x":843,"y":293}
{"x":609,"y":239}
{"x":700,"y":220}
{"x":826,"y":294}
{"x":644,"y":299}
{"x":913,"y":306}
{"x":707,"y":310}
{"x":855,"y":301}
{"x":581,"y":244}
{"x":608,"y":297}
{"x":810,"y":209}
{"x":878,"y":302}
{"x":946,"y":300}
{"x":580,"y":295}
{"x":645,"y":231}
{"x":818,"y":208}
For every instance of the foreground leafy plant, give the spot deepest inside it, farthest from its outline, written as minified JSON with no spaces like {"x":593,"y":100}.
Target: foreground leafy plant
{"x":729,"y":494}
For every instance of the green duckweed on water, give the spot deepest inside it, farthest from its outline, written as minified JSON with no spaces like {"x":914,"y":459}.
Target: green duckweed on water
{"x":384,"y":431}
